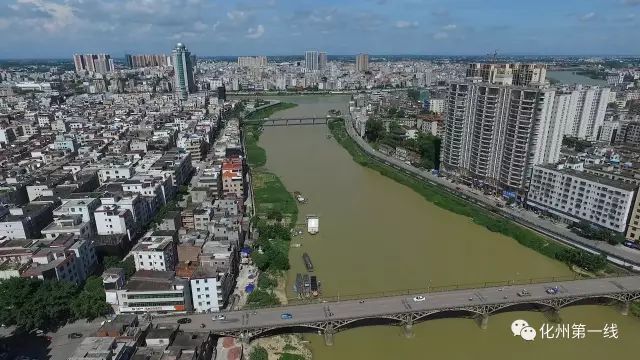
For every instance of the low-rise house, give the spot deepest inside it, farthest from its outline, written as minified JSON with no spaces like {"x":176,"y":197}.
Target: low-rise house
{"x":155,"y":252}
{"x":152,"y":291}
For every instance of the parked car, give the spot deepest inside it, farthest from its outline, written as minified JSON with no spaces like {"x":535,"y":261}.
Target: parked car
{"x":631,"y":244}
{"x":524,"y":292}
{"x":74,"y":335}
{"x":286,"y":316}
{"x":419,"y":298}
{"x":184,"y":321}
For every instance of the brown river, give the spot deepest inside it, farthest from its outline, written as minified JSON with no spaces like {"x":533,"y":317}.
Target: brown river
{"x":377,"y":235}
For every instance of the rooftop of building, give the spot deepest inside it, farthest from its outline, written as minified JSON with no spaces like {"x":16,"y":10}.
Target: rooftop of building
{"x":594,"y":178}
{"x":147,"y":280}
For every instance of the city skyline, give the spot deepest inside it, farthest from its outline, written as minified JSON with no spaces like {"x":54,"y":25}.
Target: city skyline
{"x":56,"y":28}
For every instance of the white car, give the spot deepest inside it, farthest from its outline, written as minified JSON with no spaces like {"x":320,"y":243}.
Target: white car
{"x":218,"y":317}
{"x":419,"y":298}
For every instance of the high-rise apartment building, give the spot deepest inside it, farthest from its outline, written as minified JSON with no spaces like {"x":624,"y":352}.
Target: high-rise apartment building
{"x":362,"y":62}
{"x":184,"y":81}
{"x":146,"y":60}
{"x":508,"y":74}
{"x":495,"y":133}
{"x":586,"y":111}
{"x":252,"y":61}
{"x":314,"y":60}
{"x":322,"y":60}
{"x":93,"y":63}
{"x":311,"y":60}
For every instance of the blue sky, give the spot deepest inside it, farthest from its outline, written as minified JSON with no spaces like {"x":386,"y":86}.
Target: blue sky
{"x":58,"y":28}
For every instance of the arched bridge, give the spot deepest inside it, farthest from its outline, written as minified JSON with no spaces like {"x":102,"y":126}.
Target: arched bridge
{"x":289,"y":122}
{"x":330,"y":317}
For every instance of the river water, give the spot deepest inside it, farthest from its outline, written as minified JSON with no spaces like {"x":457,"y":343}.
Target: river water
{"x":377,"y":235}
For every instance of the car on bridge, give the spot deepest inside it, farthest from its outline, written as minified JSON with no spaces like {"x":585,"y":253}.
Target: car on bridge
{"x":184,"y":321}
{"x":419,"y":298}
{"x":218,"y":317}
{"x":524,"y":293}
{"x":286,"y":316}
{"x":552,"y":290}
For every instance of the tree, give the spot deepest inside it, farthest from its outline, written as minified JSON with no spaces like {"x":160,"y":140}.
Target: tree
{"x":274,"y":214}
{"x":374,"y":130}
{"x":259,"y":353}
{"x":34,"y":304}
{"x":261,"y":298}
{"x":128,"y":264}
{"x":395,"y":135}
{"x":265,"y":281}
{"x":91,"y":302}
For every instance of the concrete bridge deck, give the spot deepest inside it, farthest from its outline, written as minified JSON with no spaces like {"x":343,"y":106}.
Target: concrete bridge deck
{"x":290,"y":121}
{"x":329,"y":317}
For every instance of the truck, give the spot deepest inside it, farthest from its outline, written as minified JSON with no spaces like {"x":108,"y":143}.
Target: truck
{"x":313,"y":224}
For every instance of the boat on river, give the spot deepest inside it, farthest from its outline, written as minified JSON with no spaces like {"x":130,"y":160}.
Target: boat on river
{"x":306,"y":285}
{"x":313,"y":224}
{"x":314,"y":285}
{"x":307,"y":262}
{"x":299,"y":197}
{"x":297,"y":286}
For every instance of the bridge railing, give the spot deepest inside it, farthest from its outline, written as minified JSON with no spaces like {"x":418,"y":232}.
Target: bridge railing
{"x":436,"y":289}
{"x":427,"y":289}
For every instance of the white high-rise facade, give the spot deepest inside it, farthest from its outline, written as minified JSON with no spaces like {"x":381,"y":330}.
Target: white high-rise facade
{"x":362,"y":62}
{"x":252,"y":61}
{"x":494,"y":134}
{"x":586,"y":111}
{"x":314,"y":60}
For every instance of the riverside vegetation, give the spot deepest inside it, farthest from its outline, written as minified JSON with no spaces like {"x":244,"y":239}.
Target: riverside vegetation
{"x":276,"y":214}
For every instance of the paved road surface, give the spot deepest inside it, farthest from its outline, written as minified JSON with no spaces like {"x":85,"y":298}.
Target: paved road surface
{"x":319,"y":312}
{"x":618,"y":254}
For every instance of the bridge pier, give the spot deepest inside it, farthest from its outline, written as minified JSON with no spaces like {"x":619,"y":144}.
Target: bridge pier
{"x":484,"y":321}
{"x":407,"y":327}
{"x":624,"y":308}
{"x":328,"y":335}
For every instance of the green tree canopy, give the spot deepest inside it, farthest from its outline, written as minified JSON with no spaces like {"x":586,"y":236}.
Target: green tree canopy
{"x":374,"y":130}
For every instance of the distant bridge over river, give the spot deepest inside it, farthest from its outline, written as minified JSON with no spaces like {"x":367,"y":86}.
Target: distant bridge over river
{"x":328,"y":317}
{"x":290,"y":121}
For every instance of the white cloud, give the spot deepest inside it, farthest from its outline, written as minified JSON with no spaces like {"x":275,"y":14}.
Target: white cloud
{"x":237,"y":16}
{"x":254,"y":33}
{"x":587,"y":16}
{"x":200,"y":26}
{"x":4,"y":23}
{"x":182,"y":35}
{"x":440,"y":35}
{"x":60,"y":15}
{"x":403,"y":24}
{"x":450,"y":27}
